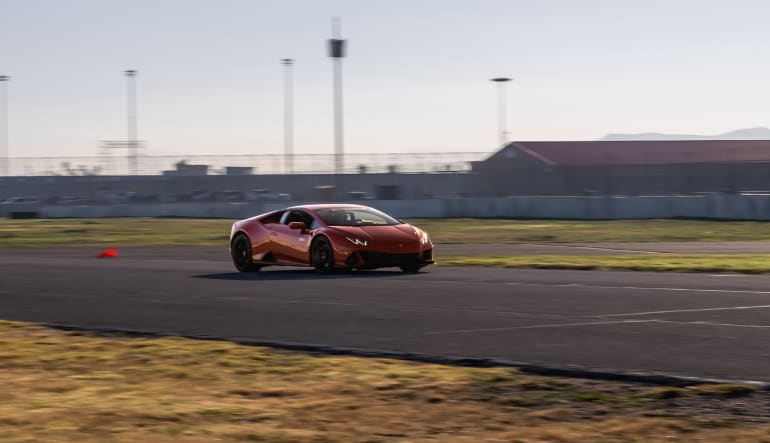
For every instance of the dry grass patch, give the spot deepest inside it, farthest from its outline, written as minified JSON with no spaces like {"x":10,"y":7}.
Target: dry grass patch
{"x":62,"y":386}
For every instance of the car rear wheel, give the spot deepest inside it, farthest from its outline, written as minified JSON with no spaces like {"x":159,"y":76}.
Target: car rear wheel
{"x":241,"y":254}
{"x":410,"y":269}
{"x":322,"y":256}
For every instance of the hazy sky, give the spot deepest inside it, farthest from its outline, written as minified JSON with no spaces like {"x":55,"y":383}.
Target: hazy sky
{"x":416,"y":78}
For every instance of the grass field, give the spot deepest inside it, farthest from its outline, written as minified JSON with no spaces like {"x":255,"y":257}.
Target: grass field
{"x":744,"y":264}
{"x":215,"y":232}
{"x":114,"y":231}
{"x":73,"y":386}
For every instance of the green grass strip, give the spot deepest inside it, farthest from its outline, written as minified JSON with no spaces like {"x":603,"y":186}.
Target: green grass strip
{"x":466,"y":230}
{"x":215,"y":232}
{"x":114,"y":232}
{"x":744,"y":264}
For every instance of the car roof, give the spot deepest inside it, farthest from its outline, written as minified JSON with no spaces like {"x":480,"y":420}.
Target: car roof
{"x":328,"y":206}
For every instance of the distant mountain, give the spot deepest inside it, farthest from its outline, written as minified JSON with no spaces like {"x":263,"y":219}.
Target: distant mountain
{"x":758,"y":133}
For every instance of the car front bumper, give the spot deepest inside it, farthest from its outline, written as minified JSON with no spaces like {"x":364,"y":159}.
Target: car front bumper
{"x":372,"y":259}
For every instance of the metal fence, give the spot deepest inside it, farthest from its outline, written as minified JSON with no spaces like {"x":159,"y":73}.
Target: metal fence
{"x":240,"y":164}
{"x":697,"y":171}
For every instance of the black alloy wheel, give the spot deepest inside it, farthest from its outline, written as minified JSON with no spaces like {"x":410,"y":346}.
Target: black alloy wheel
{"x":241,"y":253}
{"x":322,"y":256}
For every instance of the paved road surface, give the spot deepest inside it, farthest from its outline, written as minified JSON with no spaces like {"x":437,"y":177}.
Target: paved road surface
{"x":681,"y":324}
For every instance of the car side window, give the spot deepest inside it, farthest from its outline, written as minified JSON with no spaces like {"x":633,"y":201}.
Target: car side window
{"x":308,"y":219}
{"x":310,"y":222}
{"x":273,"y":218}
{"x":292,"y":216}
{"x":295,"y":216}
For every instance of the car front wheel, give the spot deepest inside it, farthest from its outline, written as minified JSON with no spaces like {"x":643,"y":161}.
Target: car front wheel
{"x":322,"y":256}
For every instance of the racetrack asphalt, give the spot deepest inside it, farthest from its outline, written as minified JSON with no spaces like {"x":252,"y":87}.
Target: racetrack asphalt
{"x":453,"y":249}
{"x":712,"y":326}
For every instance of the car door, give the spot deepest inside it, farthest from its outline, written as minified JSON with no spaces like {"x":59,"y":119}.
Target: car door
{"x":272,"y":225}
{"x":292,"y":244}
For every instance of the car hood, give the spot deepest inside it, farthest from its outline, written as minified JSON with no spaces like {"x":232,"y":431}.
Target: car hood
{"x":403,"y":233}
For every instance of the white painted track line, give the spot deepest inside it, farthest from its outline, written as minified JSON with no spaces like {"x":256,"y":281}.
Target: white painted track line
{"x":639,"y":288}
{"x":556,"y":325}
{"x":710,"y":323}
{"x":678,"y":311}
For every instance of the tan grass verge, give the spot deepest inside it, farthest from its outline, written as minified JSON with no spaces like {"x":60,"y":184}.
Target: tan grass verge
{"x":67,"y":386}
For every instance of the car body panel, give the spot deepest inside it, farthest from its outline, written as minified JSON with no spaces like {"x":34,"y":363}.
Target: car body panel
{"x":354,"y":247}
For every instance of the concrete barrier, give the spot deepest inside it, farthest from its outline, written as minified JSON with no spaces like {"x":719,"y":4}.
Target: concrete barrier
{"x":714,"y":206}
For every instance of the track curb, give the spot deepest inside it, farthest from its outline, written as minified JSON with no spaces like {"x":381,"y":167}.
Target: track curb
{"x":608,"y":374}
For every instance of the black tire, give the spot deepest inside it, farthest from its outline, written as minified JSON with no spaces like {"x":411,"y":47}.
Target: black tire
{"x":240,"y":251}
{"x":322,"y":255}
{"x":411,"y":269}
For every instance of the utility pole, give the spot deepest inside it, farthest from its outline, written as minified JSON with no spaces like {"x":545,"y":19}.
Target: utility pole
{"x":131,"y":121}
{"x":5,"y":168}
{"x":337,"y":52}
{"x":288,"y":117}
{"x":502,"y":110}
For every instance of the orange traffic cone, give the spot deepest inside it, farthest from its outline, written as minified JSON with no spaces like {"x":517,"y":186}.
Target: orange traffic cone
{"x":108,"y":253}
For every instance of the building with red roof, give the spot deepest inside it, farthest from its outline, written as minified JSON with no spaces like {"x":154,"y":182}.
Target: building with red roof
{"x":624,"y":167}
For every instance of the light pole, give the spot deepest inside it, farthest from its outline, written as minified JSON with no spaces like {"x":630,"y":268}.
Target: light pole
{"x":288,"y":116}
{"x":131,"y":121}
{"x":4,"y":150}
{"x":337,"y":53}
{"x":502,"y":110}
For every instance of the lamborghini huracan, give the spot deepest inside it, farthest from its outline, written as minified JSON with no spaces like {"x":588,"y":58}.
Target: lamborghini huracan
{"x":327,"y":238}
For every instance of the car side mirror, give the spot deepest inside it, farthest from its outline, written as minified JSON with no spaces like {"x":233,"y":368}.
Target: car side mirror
{"x":297,"y":225}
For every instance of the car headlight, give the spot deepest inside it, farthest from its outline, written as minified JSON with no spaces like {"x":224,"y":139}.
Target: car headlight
{"x":356,"y":241}
{"x":422,"y":235}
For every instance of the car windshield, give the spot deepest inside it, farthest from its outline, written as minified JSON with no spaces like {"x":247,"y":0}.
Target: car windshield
{"x":355,"y":217}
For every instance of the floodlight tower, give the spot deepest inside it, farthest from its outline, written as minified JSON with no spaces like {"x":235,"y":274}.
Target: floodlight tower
{"x":131,"y":121}
{"x":288,"y":116}
{"x":4,"y":151}
{"x":337,"y":52}
{"x":502,"y":110}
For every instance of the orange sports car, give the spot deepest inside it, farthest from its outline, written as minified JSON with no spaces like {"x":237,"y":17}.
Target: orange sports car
{"x":329,"y":237}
